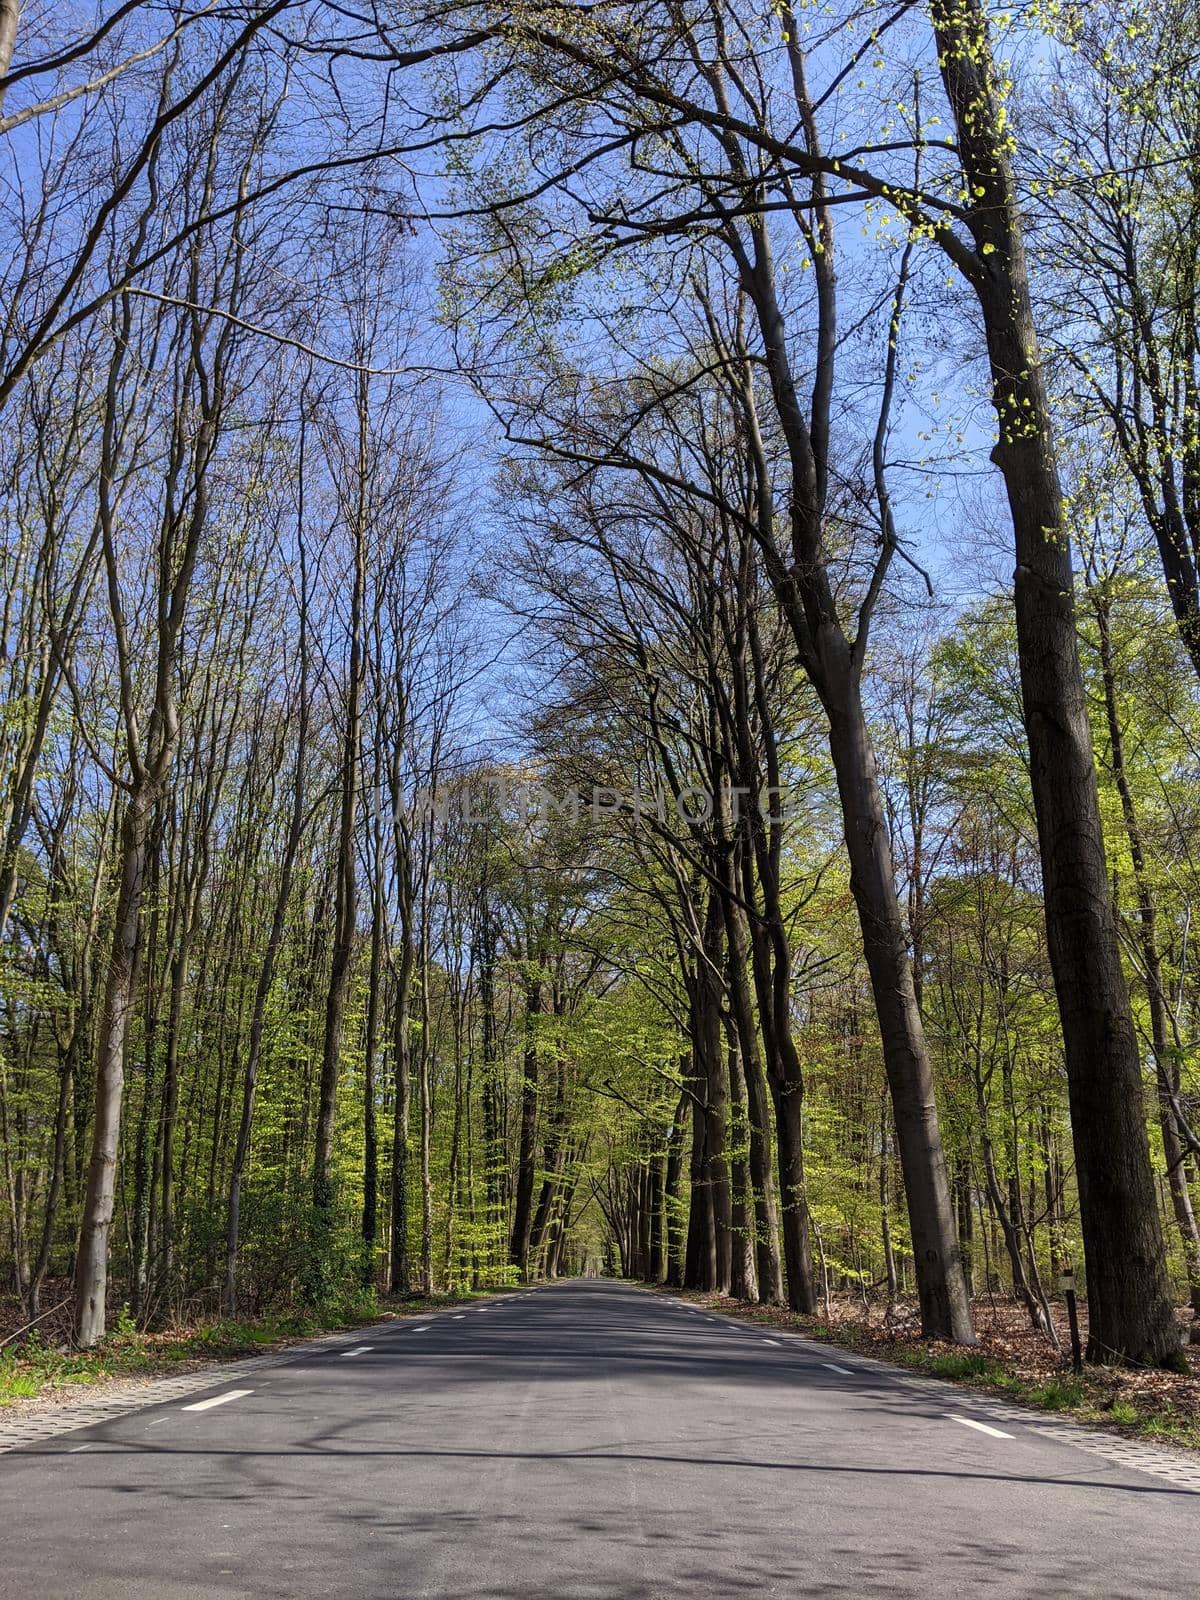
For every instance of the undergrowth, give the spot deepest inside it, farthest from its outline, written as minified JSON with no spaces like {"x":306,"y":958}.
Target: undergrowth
{"x":33,"y":1368}
{"x":1142,"y":1403}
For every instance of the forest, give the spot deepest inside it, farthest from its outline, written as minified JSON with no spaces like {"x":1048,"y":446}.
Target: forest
{"x":600,"y":658}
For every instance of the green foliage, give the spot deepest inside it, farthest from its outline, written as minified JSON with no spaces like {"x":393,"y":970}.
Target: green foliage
{"x":1059,"y":1394}
{"x":962,"y":1368}
{"x":124,"y":1329}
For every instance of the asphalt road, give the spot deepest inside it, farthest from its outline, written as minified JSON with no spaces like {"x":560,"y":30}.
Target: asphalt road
{"x":585,"y":1441}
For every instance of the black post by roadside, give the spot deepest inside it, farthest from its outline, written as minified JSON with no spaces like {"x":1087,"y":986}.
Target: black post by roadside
{"x":1067,"y":1282}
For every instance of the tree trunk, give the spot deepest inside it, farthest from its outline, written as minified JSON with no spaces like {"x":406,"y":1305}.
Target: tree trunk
{"x":805,"y":588}
{"x":709,"y":1228}
{"x":91,"y":1264}
{"x":1165,"y":1063}
{"x":493,"y":1144}
{"x":1130,"y":1316}
{"x":425,"y":1094}
{"x":743,"y":1273}
{"x":399,"y":1271}
{"x":346,"y":897}
{"x":66,"y":1073}
{"x":941,"y":1286}
{"x":966,"y":1221}
{"x":1004,"y":1214}
{"x":768,"y":1266}
{"x":673,"y":1200}
{"x":370,"y":1205}
{"x":656,"y":1265}
{"x":10,"y":11}
{"x":885,"y":1202}
{"x":527,"y":1151}
{"x":700,"y":1261}
{"x":553,"y":1154}
{"x":266,"y":974}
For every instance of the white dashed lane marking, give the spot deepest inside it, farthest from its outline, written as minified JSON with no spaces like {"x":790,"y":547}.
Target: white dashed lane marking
{"x":833,"y":1367}
{"x":969,"y":1422}
{"x":218,"y":1400}
{"x":360,"y":1351}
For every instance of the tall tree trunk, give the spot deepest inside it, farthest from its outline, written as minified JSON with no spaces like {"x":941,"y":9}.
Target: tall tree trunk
{"x":966,"y":1220}
{"x":672,"y":1197}
{"x":425,"y":1096}
{"x":553,"y":1156}
{"x":283,"y":892}
{"x":709,"y":1230}
{"x":1130,"y":1315}
{"x":804,"y":585}
{"x":399,"y":1269}
{"x":1165,"y":1063}
{"x":771,"y":960}
{"x":941,"y":1286}
{"x":769,"y":1269}
{"x":656,"y":1263}
{"x":700,"y":1260}
{"x":145,"y":1165}
{"x":346,"y":898}
{"x":91,"y":1263}
{"x":493,"y":1139}
{"x":743,"y":1271}
{"x":58,"y":1159}
{"x":170,"y":1116}
{"x":885,"y":1204}
{"x":527,"y":1150}
{"x":1003,"y":1212}
{"x":369,"y":1226}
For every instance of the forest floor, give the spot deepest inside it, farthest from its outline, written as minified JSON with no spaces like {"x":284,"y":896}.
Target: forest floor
{"x":39,"y":1368}
{"x":1009,"y":1359}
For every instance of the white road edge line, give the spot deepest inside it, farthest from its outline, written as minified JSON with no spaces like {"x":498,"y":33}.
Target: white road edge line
{"x":833,"y":1367}
{"x":218,"y":1400}
{"x":969,"y":1422}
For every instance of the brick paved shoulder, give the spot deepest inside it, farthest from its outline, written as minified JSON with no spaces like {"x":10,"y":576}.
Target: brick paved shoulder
{"x":19,"y":1426}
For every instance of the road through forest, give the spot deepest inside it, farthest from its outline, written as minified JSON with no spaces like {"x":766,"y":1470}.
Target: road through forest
{"x":585,"y":1441}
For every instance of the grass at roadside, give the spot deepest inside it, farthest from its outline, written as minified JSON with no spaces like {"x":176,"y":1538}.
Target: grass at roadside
{"x":1012,"y":1361}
